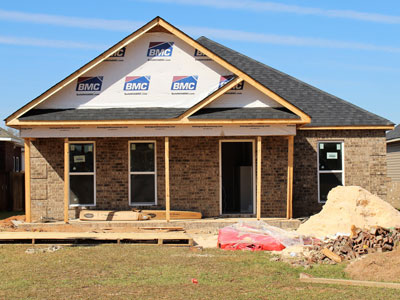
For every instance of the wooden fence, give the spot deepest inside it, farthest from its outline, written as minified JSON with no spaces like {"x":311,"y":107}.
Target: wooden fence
{"x":12,"y":191}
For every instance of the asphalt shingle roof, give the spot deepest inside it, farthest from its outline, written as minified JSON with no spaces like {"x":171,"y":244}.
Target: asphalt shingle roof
{"x":243,"y":113}
{"x":393,"y":134}
{"x":101,"y":114}
{"x":324,"y":109}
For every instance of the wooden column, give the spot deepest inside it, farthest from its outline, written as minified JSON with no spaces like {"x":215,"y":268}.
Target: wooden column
{"x":289,"y":204}
{"x":27,"y":147}
{"x":167,"y":198}
{"x":258,"y":177}
{"x":66,"y":180}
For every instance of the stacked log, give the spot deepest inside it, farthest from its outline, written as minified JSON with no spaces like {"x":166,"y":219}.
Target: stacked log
{"x":359,"y":243}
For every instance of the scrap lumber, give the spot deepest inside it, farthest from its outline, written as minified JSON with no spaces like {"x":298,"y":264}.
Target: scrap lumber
{"x":331,"y":255}
{"x":309,"y":279}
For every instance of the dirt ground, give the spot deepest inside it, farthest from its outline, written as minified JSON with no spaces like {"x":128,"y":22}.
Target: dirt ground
{"x":376,"y":267}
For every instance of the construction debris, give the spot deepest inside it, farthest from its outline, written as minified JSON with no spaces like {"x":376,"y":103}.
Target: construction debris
{"x":48,"y":249}
{"x":341,"y":248}
{"x":348,"y":205}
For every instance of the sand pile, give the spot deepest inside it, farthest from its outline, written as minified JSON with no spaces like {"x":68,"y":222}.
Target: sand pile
{"x":350,"y":205}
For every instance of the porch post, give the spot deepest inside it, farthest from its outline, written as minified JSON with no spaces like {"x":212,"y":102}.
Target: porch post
{"x":258,"y":177}
{"x":66,"y":180}
{"x":27,"y":158}
{"x":289,"y":204}
{"x":167,"y":200}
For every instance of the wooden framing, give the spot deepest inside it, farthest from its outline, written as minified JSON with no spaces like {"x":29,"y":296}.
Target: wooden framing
{"x":66,"y":180}
{"x":210,"y":98}
{"x":258,"y":177}
{"x":12,"y":120}
{"x":289,"y":193}
{"x":27,"y":158}
{"x":17,"y":123}
{"x":167,"y":196}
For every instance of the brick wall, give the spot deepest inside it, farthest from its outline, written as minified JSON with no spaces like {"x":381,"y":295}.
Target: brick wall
{"x":194,"y":172}
{"x":194,"y":175}
{"x":365,"y":164}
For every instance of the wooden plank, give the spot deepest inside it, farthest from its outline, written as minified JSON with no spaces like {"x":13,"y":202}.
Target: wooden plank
{"x":211,"y":98}
{"x":167,"y":196}
{"x":110,"y":215}
{"x":258,"y":178}
{"x":172,"y":121}
{"x":164,"y":238}
{"x":289,"y":193}
{"x":375,"y":284}
{"x":28,"y":214}
{"x":331,"y":255}
{"x":113,"y":215}
{"x":66,"y":180}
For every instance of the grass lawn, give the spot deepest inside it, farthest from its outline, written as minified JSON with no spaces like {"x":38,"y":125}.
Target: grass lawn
{"x":153,"y":272}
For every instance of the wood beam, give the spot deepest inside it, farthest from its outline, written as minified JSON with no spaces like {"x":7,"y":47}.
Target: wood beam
{"x":289,"y":193}
{"x":351,"y":127}
{"x":167,"y":197}
{"x":27,"y":158}
{"x":66,"y":180}
{"x":258,"y":177}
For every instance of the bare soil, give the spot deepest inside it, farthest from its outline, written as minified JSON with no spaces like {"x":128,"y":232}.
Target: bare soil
{"x":376,"y":267}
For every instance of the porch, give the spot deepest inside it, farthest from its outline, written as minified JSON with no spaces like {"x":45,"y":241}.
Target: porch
{"x":187,"y":176}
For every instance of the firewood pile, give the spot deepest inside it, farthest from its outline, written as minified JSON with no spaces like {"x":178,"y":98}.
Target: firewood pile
{"x":359,"y":243}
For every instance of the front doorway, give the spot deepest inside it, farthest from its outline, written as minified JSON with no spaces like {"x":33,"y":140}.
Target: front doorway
{"x":237,"y":176}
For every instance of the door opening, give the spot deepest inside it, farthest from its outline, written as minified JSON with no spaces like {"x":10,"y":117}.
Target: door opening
{"x":237,"y":177}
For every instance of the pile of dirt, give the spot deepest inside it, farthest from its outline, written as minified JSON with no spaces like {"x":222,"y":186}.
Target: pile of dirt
{"x":376,"y":267}
{"x":347,"y":206}
{"x":7,"y":224}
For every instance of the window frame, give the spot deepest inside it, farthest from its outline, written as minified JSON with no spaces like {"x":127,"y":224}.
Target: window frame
{"x":329,"y":171}
{"x":142,"y":173}
{"x":82,"y":173}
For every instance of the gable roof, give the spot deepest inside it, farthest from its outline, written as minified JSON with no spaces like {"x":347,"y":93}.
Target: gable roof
{"x":393,"y":134}
{"x":325,"y":109}
{"x":308,"y":103}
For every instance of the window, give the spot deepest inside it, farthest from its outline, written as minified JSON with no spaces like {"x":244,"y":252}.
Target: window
{"x":330,"y":168}
{"x":82,"y":174}
{"x":142,"y":173}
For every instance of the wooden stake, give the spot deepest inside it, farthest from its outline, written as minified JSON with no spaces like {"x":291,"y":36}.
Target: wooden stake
{"x":258,"y":177}
{"x":167,"y":198}
{"x":27,"y":146}
{"x":289,"y":203}
{"x":66,"y":180}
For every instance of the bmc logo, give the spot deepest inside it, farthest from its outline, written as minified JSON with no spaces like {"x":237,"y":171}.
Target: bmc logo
{"x":160,"y":49}
{"x":89,"y":84}
{"x":184,"y":83}
{"x":197,"y":53}
{"x":119,"y":53}
{"x":137,"y":83}
{"x":225,"y":79}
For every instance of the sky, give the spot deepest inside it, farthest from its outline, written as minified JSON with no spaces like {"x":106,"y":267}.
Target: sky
{"x":350,"y":49}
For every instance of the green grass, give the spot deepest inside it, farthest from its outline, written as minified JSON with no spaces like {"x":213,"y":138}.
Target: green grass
{"x":153,"y":272}
{"x":7,"y":214}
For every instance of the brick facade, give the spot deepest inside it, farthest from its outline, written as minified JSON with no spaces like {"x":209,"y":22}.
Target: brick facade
{"x":364,"y":164}
{"x":194,"y":172}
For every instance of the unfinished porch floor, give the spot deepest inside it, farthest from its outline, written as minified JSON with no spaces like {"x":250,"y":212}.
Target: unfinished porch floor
{"x":206,"y":224}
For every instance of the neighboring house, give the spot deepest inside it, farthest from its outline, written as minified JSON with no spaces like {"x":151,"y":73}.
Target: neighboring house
{"x":10,"y":161}
{"x":164,"y":121}
{"x":393,"y":153}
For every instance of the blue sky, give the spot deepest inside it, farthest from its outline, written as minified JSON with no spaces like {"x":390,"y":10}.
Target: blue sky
{"x":348,"y":48}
